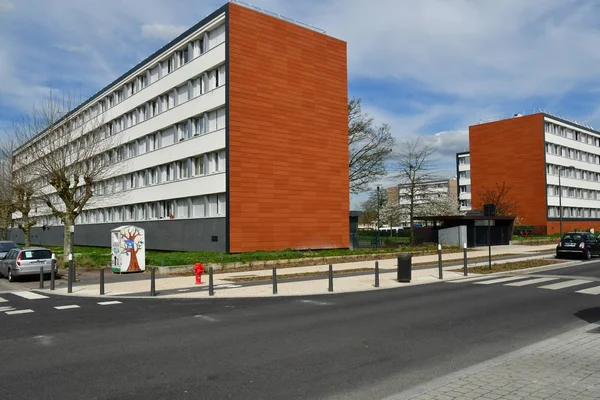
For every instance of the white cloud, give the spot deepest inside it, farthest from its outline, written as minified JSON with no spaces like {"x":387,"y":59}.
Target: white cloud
{"x":6,"y":6}
{"x":163,"y":32}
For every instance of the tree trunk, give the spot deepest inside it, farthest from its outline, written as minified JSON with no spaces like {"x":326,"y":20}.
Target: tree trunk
{"x":134,"y":266}
{"x":68,"y":245}
{"x":27,"y":233}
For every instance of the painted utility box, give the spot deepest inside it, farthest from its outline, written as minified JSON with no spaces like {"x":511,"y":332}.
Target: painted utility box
{"x":128,"y":244}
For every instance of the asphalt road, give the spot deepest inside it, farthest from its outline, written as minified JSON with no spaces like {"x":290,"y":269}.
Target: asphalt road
{"x":353,"y":346}
{"x":589,"y":269}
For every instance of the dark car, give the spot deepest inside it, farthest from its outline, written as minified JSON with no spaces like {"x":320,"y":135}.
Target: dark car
{"x":6,"y":246}
{"x":582,"y":244}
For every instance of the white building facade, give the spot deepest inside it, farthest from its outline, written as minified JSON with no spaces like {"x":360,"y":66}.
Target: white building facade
{"x":463,"y":174}
{"x":573,"y":151}
{"x":168,"y":114}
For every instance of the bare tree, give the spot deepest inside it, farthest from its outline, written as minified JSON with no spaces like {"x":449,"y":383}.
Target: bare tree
{"x":501,"y":197}
{"x":371,"y":208}
{"x":6,"y":197}
{"x":415,"y":169}
{"x":67,"y":152}
{"x":369,"y":147}
{"x":21,"y":191}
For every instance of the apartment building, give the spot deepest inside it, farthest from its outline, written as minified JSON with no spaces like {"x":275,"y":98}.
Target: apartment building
{"x":528,"y":153}
{"x":233,"y":138}
{"x":463,"y":176}
{"x":425,"y":194}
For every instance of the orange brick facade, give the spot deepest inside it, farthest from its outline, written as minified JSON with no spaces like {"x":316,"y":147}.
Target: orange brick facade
{"x":511,"y":151}
{"x":287,"y":135}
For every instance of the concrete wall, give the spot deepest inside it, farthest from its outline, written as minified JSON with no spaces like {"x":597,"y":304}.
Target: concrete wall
{"x":454,"y":236}
{"x":185,"y":234}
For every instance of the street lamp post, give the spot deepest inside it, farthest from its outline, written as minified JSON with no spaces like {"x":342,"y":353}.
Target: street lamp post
{"x":378,"y":206}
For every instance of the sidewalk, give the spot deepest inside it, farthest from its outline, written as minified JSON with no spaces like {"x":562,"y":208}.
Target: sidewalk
{"x":185,"y":287}
{"x":564,"y":367}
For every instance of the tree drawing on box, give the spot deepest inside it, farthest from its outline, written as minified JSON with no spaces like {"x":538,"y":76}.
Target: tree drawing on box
{"x":132,"y":242}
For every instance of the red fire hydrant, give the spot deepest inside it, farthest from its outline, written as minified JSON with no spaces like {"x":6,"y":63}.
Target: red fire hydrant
{"x":198,"y":269}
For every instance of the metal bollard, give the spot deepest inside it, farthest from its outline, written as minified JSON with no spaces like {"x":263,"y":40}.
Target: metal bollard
{"x":211,"y":289}
{"x":41,"y":277}
{"x":70,"y":279}
{"x":466,"y":269}
{"x":330,"y":277}
{"x":101,"y":281}
{"x":376,"y":273}
{"x":152,"y":281}
{"x":441,"y":272}
{"x":52,"y":274}
{"x":275,"y":280}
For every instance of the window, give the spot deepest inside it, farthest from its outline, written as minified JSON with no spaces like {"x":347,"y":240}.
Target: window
{"x":183,"y":169}
{"x":199,"y":168}
{"x":198,"y":207}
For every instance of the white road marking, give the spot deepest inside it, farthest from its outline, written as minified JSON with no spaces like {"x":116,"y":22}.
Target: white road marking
{"x":592,"y":290}
{"x":461,"y":280}
{"x":8,"y":308}
{"x":500,"y":280}
{"x":44,"y":340}
{"x":19,"y":312}
{"x":30,"y":295}
{"x":531,"y":282}
{"x":206,"y":318}
{"x":315,"y":302}
{"x":227,"y":286}
{"x":67,"y":307}
{"x":108,"y":303}
{"x":566,"y":284}
{"x":3,"y":300}
{"x":182,"y":290}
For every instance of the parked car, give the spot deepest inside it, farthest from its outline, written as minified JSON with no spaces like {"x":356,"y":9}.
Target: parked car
{"x":581,"y":244}
{"x":19,"y":262}
{"x":5,"y":247}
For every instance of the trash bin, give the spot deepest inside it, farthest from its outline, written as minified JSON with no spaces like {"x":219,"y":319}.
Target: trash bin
{"x":404,"y":267}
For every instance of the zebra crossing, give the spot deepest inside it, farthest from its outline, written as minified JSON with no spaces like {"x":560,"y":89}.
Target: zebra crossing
{"x":24,"y":302}
{"x":540,"y":282}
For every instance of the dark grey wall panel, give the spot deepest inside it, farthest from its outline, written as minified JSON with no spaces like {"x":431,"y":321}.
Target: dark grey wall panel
{"x":183,"y":234}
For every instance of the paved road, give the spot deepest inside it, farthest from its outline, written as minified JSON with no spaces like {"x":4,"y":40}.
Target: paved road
{"x":351,"y":346}
{"x":589,"y":269}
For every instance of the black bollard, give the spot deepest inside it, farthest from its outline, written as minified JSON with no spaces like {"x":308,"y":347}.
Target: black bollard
{"x":101,"y":281}
{"x":376,"y":273}
{"x":441,"y":272}
{"x":41,"y":277}
{"x":70,"y":279}
{"x":466,"y":269}
{"x":330,"y":277}
{"x":52,"y":274}
{"x":211,"y":288}
{"x":275,"y":280}
{"x":152,"y":281}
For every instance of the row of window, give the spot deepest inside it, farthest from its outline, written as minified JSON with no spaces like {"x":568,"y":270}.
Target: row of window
{"x":179,"y":57}
{"x":572,"y":173}
{"x":574,"y":212}
{"x":573,"y":154}
{"x":201,"y":84}
{"x":191,"y":167}
{"x":199,"y":125}
{"x":464,"y":188}
{"x":577,"y":193}
{"x":464,"y":174}
{"x":572,"y":134}
{"x":191,"y":89}
{"x":212,"y":205}
{"x":464,"y":160}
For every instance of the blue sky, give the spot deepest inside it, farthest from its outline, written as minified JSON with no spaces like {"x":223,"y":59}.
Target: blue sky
{"x":428,"y":68}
